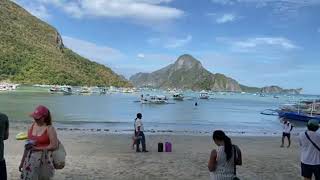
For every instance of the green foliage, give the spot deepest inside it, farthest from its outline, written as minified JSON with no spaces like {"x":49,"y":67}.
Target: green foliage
{"x":30,"y":54}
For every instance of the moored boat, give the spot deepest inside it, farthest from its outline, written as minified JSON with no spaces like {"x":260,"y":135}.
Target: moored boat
{"x":178,"y":96}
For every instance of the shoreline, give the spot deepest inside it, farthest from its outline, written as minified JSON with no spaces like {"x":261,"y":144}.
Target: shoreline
{"x":91,"y":128}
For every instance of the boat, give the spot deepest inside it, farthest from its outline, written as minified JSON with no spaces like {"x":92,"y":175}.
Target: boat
{"x":67,"y":91}
{"x":178,"y":96}
{"x":298,"y":116}
{"x":55,"y":89}
{"x":156,"y":99}
{"x":204,"y":95}
{"x":85,"y":91}
{"x":8,"y":87}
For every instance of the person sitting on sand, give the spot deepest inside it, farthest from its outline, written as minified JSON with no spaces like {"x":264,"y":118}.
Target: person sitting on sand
{"x":287,"y":128}
{"x":223,"y":160}
{"x":37,"y":162}
{"x":310,"y":151}
{"x":139,"y":133}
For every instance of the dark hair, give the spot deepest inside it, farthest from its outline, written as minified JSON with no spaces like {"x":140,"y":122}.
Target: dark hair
{"x":48,"y":119}
{"x":312,"y":127}
{"x":221,"y":136}
{"x":139,"y":115}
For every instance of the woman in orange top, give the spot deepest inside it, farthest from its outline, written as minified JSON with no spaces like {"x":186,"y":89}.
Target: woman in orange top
{"x":37,"y":163}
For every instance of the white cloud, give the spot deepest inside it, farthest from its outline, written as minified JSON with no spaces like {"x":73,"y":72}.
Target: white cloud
{"x":225,"y":18}
{"x":141,"y":56}
{"x":170,"y":42}
{"x":92,"y":51}
{"x":259,"y":43}
{"x":38,"y":10}
{"x":146,"y":10}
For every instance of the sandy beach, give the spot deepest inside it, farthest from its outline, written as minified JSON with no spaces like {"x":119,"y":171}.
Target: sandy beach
{"x":109,"y":156}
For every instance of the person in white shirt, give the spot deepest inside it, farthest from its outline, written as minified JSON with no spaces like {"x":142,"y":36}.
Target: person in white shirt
{"x":138,"y":125}
{"x":310,"y":151}
{"x":287,"y":128}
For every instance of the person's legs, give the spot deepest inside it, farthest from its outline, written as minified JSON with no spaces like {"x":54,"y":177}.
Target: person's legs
{"x":316,"y":172}
{"x":306,"y":171}
{"x":143,"y":142}
{"x":3,"y":170}
{"x":282,"y":140}
{"x":289,"y":140}
{"x":138,"y":143}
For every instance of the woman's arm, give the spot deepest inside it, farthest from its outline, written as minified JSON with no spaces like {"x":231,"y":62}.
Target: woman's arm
{"x":53,"y":140}
{"x":212,"y":164}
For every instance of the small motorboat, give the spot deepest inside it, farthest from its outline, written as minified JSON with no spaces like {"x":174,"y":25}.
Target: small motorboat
{"x":204,"y":95}
{"x":178,"y":96}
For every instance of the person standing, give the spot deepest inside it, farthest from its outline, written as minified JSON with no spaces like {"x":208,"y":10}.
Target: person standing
{"x":138,"y":125}
{"x":37,"y":162}
{"x":223,"y":160}
{"x":4,"y":135}
{"x":287,"y":128}
{"x":310,"y":151}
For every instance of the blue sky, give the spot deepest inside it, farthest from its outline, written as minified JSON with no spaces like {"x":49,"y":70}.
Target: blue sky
{"x":257,"y":42}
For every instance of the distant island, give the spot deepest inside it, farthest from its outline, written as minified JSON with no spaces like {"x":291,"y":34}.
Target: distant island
{"x":32,"y":52}
{"x":188,"y":73}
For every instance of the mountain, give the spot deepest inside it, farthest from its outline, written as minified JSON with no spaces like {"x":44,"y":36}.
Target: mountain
{"x":279,"y":90}
{"x":32,"y":52}
{"x":188,"y":73}
{"x":185,"y":73}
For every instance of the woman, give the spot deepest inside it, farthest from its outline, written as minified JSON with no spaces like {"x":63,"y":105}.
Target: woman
{"x":36,"y":163}
{"x":221,"y":163}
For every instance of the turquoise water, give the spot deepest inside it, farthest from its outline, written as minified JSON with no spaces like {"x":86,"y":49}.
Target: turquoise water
{"x":234,"y":113}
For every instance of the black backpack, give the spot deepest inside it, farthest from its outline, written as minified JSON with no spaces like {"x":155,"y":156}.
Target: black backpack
{"x":160,"y":147}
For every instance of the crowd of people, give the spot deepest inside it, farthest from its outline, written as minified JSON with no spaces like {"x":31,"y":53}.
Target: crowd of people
{"x":37,"y":160}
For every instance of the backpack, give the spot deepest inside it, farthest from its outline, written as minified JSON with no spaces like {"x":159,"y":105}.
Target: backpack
{"x":168,"y":147}
{"x":160,"y":147}
{"x":238,"y":156}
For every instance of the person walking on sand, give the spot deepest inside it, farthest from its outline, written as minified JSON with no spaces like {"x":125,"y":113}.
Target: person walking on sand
{"x":310,"y":151}
{"x":287,"y":128}
{"x":223,"y":160}
{"x":139,"y":134}
{"x":37,"y":162}
{"x":4,"y":135}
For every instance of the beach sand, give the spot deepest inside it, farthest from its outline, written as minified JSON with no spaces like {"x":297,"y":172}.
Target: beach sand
{"x":109,"y":156}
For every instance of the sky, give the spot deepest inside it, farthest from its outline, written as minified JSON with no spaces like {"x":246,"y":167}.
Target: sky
{"x":256,"y":42}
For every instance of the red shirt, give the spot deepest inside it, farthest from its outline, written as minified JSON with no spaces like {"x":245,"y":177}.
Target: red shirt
{"x":42,"y":140}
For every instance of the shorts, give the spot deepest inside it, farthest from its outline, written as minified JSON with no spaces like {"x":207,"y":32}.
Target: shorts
{"x":308,"y":170}
{"x":286,"y":135}
{"x":3,"y":170}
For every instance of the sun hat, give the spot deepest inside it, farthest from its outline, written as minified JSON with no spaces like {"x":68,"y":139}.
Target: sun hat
{"x":40,"y":112}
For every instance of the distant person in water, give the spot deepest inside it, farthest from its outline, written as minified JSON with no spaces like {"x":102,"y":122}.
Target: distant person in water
{"x":223,"y":160}
{"x":196,"y":104}
{"x":140,"y":138}
{"x":287,"y":128}
{"x":4,"y":134}
{"x":310,"y":151}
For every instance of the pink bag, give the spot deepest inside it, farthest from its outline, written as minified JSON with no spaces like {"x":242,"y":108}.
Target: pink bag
{"x":168,"y":147}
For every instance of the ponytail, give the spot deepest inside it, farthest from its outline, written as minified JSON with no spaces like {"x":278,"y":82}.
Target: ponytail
{"x":221,"y":136}
{"x":228,"y":147}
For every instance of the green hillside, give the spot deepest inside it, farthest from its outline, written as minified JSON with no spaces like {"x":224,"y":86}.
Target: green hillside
{"x":32,"y":52}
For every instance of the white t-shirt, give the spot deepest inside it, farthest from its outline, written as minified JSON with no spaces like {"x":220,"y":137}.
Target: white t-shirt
{"x":287,"y":127}
{"x":137,"y":124}
{"x":309,"y":154}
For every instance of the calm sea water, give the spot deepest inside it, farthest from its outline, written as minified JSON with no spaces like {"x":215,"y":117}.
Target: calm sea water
{"x":234,"y":113}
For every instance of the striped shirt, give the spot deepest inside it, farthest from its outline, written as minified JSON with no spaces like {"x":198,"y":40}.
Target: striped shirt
{"x":225,"y":169}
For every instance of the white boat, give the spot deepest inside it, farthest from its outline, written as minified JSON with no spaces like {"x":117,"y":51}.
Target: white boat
{"x":157,"y":99}
{"x":204,"y":95}
{"x":178,"y":96}
{"x":8,"y":87}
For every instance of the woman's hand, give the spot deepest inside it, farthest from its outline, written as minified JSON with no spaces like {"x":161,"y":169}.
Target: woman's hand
{"x":21,"y":166}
